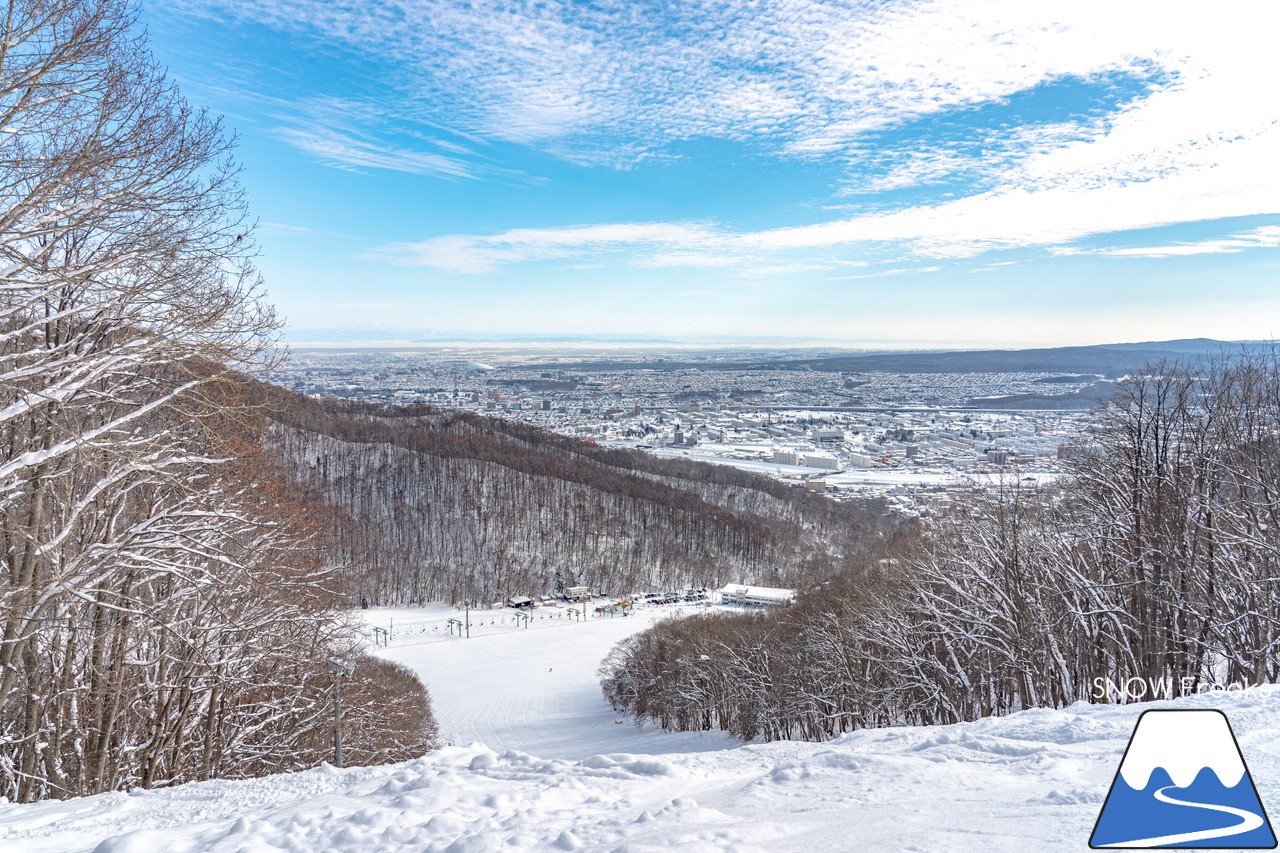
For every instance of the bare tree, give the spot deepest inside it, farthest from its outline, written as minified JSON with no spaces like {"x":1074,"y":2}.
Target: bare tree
{"x":165,"y":602}
{"x":1158,"y":558}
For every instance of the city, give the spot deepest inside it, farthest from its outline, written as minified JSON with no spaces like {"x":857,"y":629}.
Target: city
{"x":915,"y":439}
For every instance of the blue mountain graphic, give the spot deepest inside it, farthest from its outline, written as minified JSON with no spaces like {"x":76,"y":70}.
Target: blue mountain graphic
{"x":1129,"y":815}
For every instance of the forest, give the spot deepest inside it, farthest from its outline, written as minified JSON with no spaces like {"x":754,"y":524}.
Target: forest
{"x":1156,"y":557}
{"x":450,"y":505}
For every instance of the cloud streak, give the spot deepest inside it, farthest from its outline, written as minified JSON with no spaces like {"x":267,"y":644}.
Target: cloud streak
{"x":964,"y":228}
{"x":1266,"y":237}
{"x":613,"y":84}
{"x":346,"y":151}
{"x":605,"y":82}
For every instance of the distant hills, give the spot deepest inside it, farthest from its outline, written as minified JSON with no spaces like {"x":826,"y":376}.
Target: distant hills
{"x":1109,"y":360}
{"x":736,"y":353}
{"x":1106,"y":359}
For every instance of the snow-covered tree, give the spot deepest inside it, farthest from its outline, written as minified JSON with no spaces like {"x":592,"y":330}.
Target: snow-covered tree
{"x":165,"y":605}
{"x":1156,"y":558}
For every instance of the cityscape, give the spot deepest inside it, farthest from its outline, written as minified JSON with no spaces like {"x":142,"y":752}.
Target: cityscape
{"x":915,"y":439}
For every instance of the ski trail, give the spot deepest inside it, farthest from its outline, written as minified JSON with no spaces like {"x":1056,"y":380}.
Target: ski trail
{"x":1249,"y":821}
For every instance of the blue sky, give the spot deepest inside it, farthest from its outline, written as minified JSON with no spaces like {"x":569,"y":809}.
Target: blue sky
{"x":971,"y":172}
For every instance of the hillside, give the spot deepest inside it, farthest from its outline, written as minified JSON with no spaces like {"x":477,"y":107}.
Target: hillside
{"x":1084,"y":399}
{"x":444,"y":505}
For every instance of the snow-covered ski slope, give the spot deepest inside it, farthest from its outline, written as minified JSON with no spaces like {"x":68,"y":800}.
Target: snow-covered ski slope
{"x":532,"y":689}
{"x":560,"y":775}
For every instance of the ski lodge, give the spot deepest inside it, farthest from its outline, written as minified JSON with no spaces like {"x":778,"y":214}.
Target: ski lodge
{"x":756,"y":596}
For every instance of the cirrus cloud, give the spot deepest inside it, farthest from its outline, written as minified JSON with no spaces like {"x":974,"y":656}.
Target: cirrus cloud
{"x":1178,"y":129}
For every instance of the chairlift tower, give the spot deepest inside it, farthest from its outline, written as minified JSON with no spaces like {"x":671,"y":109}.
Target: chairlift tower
{"x":341,"y":668}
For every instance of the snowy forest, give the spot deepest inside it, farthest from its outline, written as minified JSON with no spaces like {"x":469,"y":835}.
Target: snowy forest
{"x":1157,"y":557}
{"x":167,"y":596}
{"x":447,"y":506}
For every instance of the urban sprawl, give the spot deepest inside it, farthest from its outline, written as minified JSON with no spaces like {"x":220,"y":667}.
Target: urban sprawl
{"x":917,"y":439}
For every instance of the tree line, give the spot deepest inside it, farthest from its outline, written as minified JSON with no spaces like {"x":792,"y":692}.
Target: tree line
{"x":1156,"y":557}
{"x":167,"y":598}
{"x":448,"y":506}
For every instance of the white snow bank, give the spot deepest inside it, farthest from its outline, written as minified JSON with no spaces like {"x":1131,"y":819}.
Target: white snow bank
{"x":1031,"y":781}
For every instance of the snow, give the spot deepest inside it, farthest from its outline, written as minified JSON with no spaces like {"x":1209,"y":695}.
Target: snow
{"x":762,"y":594}
{"x":759,"y":466}
{"x":855,"y":477}
{"x":533,"y":690}
{"x":549,"y":770}
{"x":933,"y":478}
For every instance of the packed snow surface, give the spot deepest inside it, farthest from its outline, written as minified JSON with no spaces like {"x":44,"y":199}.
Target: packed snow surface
{"x":552,"y":773}
{"x":534,"y":689}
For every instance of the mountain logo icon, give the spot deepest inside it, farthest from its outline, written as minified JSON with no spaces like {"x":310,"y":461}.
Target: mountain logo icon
{"x":1183,"y":783}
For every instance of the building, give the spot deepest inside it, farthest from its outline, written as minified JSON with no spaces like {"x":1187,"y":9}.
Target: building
{"x":786,"y":457}
{"x":821,"y":460}
{"x":577,"y":593}
{"x":756,"y":596}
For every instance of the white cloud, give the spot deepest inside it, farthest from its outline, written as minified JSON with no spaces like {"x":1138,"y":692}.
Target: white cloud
{"x":811,"y":75}
{"x":1266,"y":237}
{"x":349,"y":152}
{"x":613,"y":83}
{"x":999,"y":219}
{"x":896,"y":271}
{"x":689,"y":259}
{"x":656,"y":244}
{"x":1018,"y":217}
{"x":780,"y":269}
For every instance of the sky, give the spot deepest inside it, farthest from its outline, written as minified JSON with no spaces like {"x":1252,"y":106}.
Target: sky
{"x":882,"y":173}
